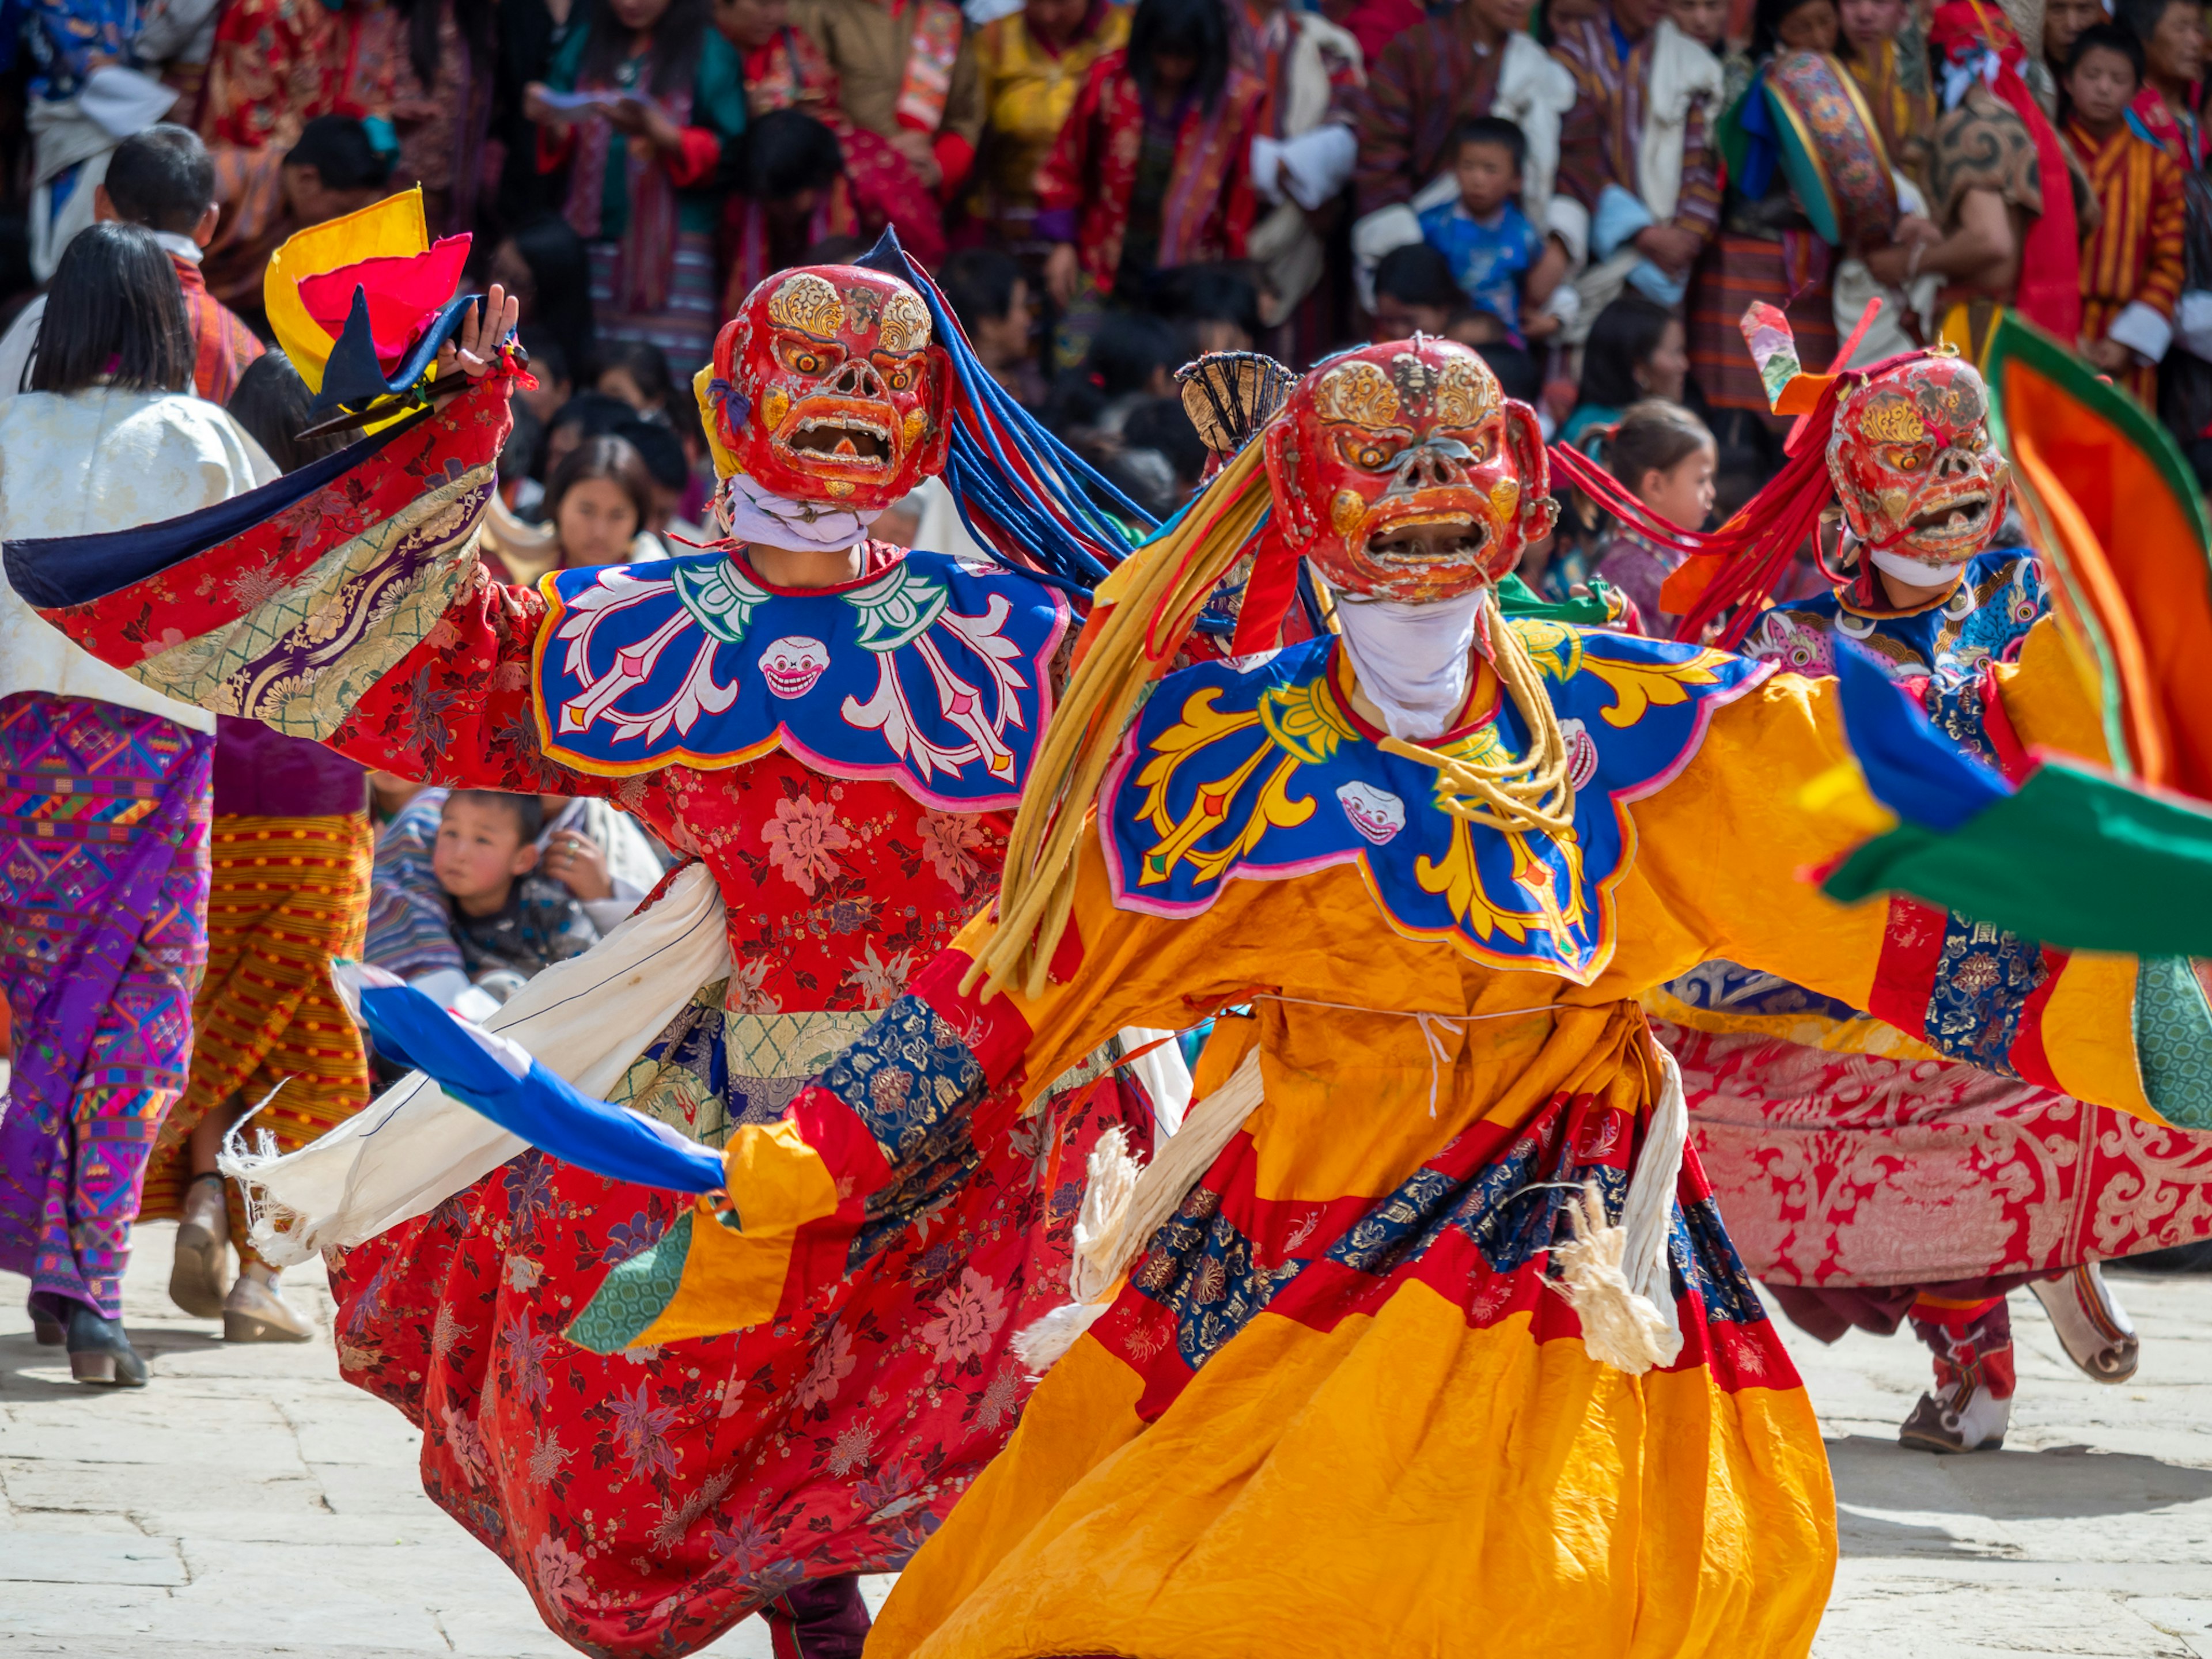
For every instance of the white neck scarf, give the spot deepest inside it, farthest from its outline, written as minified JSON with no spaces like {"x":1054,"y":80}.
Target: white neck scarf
{"x":752,"y":515}
{"x":1411,"y":659}
{"x":1919,"y":573}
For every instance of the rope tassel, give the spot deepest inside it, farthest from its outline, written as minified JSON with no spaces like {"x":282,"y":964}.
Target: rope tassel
{"x":1620,"y":1327}
{"x":1616,"y":1277}
{"x":1125,"y":1203}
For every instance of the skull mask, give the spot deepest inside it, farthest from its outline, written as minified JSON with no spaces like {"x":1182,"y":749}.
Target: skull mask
{"x":1404,"y":472}
{"x":790,"y":665}
{"x":827,"y":388}
{"x":1913,"y":465}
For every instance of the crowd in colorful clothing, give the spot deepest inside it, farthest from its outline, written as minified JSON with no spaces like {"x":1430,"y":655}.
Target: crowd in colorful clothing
{"x":556,"y":801}
{"x":1106,"y":187}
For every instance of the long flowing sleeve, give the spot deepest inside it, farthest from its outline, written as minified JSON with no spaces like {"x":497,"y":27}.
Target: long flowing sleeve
{"x":344,"y":603}
{"x":1697,"y":209}
{"x":2163,"y":265}
{"x":1582,"y":165}
{"x":1728,"y":850}
{"x":1382,"y":120}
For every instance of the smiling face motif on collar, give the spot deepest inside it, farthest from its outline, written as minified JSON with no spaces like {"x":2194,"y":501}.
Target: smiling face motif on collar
{"x":1404,"y":472}
{"x":829,"y":389}
{"x":1912,"y":462}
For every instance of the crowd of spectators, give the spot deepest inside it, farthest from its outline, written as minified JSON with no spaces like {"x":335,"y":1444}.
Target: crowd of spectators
{"x":1588,"y":196}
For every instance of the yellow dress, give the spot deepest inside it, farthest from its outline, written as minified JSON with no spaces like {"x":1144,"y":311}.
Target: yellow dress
{"x":1340,"y":1404}
{"x":1027,"y":93}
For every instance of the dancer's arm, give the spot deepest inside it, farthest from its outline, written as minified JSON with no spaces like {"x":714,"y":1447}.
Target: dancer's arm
{"x":1736,"y":854}
{"x":344,"y":602}
{"x":866,"y":1146}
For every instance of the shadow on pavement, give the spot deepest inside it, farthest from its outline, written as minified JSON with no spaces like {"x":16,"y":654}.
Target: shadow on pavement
{"x":2061,"y":1482}
{"x":28,"y":1371}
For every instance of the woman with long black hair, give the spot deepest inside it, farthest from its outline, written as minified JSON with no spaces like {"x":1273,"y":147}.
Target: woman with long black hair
{"x":105,"y":804}
{"x":1636,"y":350}
{"x":442,"y":103}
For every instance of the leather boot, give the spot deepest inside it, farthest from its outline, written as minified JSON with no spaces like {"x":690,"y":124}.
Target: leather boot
{"x":196,"y":1277}
{"x":254,"y":1311}
{"x":100,"y":1353}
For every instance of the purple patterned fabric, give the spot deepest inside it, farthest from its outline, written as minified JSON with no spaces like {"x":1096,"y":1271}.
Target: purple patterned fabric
{"x":261,"y":772}
{"x":1639,"y":568}
{"x":103,"y":904}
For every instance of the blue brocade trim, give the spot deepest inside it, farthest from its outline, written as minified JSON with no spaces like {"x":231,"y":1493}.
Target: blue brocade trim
{"x":932,"y":674}
{"x":1984,"y":979}
{"x":1253,"y":768}
{"x":907,"y":1077}
{"x":1200,"y":1269}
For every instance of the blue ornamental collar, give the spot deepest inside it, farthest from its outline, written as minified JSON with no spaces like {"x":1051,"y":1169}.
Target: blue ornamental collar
{"x":930,"y":672}
{"x":1998,"y":597}
{"x":1255,"y":768}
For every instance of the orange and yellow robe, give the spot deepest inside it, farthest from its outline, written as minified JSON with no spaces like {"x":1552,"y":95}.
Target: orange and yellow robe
{"x":2132,"y":262}
{"x":1338,"y":1405}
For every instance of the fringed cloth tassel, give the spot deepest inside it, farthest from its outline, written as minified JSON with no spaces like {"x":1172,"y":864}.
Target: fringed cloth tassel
{"x":1616,"y":1276}
{"x":1124,"y":1206}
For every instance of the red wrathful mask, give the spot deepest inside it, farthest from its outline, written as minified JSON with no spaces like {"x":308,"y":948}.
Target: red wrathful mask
{"x":1413,"y":436}
{"x":1912,"y":462}
{"x":828,"y":389}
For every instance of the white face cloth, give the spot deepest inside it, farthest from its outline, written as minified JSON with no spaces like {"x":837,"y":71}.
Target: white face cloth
{"x":1917,"y":572}
{"x":752,"y":515}
{"x":1411,"y":659}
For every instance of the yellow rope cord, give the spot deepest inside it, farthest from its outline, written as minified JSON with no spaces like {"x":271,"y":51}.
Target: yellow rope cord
{"x":1529,"y":794}
{"x":1038,"y":891}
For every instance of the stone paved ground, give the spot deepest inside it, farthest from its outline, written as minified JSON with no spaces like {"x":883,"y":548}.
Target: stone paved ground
{"x":250,"y":1503}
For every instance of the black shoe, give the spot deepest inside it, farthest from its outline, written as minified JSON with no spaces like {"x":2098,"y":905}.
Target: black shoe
{"x":49,"y":1318}
{"x":101,"y":1353}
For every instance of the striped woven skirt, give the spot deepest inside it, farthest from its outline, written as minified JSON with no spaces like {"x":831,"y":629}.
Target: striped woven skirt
{"x":103,"y":884}
{"x":685,"y":324}
{"x":286,"y":895}
{"x":1736,"y":270}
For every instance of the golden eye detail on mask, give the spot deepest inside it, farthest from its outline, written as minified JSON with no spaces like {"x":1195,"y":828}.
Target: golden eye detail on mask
{"x":900,"y":374}
{"x":1356,"y":394}
{"x":808,"y":303}
{"x":807,"y":357}
{"x":1371,"y":451}
{"x":905,"y":325}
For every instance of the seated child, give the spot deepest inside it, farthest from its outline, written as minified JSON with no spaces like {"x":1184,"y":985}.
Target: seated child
{"x":1498,"y":258}
{"x":507,"y":918}
{"x":1416,"y":293}
{"x":1666,"y":459}
{"x":409,"y":934}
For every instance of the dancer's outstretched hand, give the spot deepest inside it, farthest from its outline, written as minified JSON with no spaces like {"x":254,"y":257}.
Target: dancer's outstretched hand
{"x":475,"y":346}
